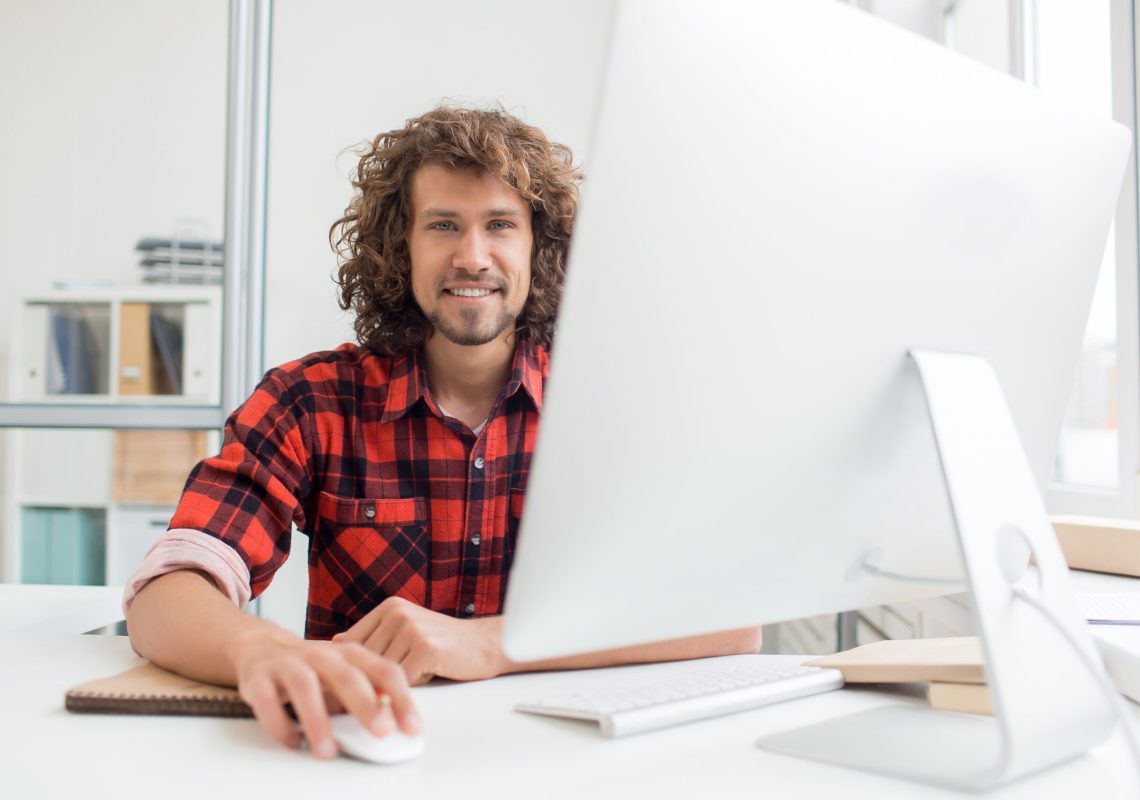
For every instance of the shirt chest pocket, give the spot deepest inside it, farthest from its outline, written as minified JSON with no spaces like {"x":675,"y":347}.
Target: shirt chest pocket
{"x":372,"y":549}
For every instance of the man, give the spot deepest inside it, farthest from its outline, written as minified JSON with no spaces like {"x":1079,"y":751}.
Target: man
{"x":404,"y":458}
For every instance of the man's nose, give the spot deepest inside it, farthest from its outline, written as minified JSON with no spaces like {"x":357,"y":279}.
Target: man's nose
{"x":473,"y":252}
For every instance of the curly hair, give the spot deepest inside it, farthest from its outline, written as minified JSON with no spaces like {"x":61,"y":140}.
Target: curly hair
{"x":371,"y":238}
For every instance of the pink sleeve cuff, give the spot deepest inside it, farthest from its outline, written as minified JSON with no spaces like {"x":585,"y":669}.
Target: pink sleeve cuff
{"x":183,"y":548}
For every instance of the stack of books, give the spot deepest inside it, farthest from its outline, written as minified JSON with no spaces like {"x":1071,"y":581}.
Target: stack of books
{"x":952,"y":668}
{"x":192,"y":261}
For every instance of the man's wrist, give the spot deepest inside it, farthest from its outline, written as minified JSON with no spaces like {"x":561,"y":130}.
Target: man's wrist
{"x":494,"y":632}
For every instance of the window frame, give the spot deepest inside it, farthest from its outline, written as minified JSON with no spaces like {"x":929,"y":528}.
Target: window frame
{"x":1120,"y":502}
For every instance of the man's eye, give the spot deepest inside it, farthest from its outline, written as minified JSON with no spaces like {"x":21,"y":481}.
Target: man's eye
{"x":500,"y":225}
{"x":443,"y":226}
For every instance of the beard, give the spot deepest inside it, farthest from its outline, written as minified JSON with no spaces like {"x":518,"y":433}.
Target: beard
{"x":472,"y":328}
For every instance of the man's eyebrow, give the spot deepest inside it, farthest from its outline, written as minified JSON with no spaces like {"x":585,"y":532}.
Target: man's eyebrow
{"x":443,"y":213}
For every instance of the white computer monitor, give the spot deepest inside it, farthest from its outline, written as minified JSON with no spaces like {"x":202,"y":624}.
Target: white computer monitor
{"x":785,"y":203}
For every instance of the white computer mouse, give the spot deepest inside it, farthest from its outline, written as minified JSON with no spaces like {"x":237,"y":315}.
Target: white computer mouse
{"x":357,"y":741}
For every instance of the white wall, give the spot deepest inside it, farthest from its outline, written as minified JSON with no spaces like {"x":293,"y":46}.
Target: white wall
{"x":347,"y":70}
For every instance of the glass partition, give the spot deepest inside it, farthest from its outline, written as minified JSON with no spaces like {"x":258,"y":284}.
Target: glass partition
{"x":112,"y":156}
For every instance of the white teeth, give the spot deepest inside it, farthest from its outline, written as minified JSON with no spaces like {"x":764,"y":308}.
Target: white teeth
{"x":470,"y":292}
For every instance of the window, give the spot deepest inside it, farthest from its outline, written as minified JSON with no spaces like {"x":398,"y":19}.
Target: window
{"x":1082,"y":54}
{"x":124,"y":247}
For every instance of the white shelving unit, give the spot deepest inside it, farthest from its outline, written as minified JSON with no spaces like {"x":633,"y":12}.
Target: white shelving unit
{"x":119,"y":485}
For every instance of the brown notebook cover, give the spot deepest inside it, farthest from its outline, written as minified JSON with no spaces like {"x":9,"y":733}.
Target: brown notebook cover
{"x":148,"y":689}
{"x":957,"y":659}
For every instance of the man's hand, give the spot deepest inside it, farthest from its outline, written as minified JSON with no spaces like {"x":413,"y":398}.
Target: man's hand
{"x":274,"y":668}
{"x":426,"y":643}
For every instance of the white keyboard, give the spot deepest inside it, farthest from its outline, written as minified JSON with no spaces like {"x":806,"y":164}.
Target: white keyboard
{"x":622,"y":709}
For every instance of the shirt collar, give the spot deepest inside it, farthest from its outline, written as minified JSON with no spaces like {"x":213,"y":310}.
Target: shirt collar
{"x":529,"y":367}
{"x":406,"y":385}
{"x":407,"y":381}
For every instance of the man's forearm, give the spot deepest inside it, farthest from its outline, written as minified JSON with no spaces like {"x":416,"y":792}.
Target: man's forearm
{"x":744,"y":640}
{"x":181,"y":622}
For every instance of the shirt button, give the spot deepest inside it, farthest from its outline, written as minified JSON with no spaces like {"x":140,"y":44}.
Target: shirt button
{"x":370,"y":511}
{"x":475,"y":539}
{"x":469,"y":609}
{"x":479,"y":462}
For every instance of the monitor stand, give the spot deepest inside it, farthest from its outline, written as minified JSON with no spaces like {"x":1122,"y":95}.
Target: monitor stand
{"x":1047,"y":707}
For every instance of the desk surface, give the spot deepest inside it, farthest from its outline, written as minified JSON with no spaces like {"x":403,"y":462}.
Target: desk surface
{"x":477,"y":747}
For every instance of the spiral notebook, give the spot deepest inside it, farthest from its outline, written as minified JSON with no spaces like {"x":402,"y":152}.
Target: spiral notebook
{"x":148,"y":689}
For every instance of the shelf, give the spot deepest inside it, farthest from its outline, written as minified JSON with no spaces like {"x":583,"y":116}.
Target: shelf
{"x":134,"y":344}
{"x":83,"y":505}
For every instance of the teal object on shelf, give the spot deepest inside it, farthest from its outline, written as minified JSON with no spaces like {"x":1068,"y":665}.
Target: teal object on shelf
{"x":63,"y":546}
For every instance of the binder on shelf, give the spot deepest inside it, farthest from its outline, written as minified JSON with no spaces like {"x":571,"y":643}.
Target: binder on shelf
{"x":73,"y":366}
{"x":136,"y":363}
{"x":167,"y":338}
{"x":35,"y":554}
{"x":63,"y":546}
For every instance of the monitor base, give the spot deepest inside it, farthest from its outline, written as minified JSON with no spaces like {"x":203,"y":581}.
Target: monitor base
{"x":1001,"y":522}
{"x":942,"y":748}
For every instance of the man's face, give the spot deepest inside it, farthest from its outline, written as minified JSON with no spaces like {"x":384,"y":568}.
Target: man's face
{"x":470,"y":245}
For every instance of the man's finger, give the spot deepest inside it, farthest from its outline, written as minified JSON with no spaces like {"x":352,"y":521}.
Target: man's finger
{"x":388,"y":677}
{"x":304,"y":691}
{"x":395,"y":647}
{"x":346,"y":680}
{"x":264,"y":698}
{"x":381,"y":639}
{"x":362,"y":628}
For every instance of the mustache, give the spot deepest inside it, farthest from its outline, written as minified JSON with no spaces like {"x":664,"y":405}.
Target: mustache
{"x":462,"y":275}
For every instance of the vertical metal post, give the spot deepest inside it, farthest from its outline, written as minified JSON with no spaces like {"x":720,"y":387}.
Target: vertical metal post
{"x":1023,"y":40}
{"x":247,"y":152}
{"x":247,"y":168}
{"x":1124,"y":27}
{"x":258,"y":194}
{"x":236,"y":203}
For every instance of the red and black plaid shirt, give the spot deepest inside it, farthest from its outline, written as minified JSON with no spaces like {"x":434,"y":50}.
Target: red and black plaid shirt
{"x":396,"y":498}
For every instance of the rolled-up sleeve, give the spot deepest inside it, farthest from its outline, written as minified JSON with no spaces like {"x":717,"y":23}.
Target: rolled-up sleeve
{"x":186,"y":549}
{"x":247,"y":498}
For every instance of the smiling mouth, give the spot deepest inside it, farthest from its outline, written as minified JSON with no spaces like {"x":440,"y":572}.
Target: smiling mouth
{"x":469,"y":292}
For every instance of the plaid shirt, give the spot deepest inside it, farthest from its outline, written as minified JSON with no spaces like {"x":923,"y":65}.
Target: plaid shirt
{"x":396,"y":498}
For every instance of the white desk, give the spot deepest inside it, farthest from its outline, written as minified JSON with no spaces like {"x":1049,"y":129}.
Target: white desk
{"x":58,"y":609}
{"x":477,"y":747}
